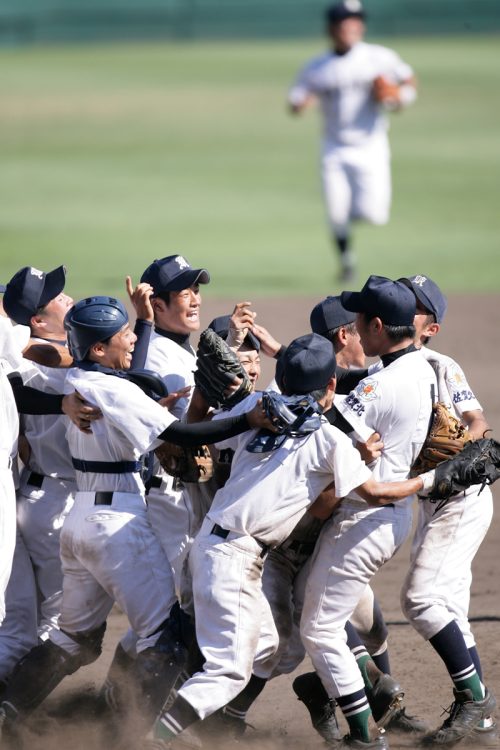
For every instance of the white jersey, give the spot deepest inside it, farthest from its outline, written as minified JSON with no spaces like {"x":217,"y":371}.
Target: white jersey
{"x":343,"y":85}
{"x":453,"y":389}
{"x":174,"y":364}
{"x":46,"y":433}
{"x":267,"y":493}
{"x":396,"y":402}
{"x":129,"y":428}
{"x":8,"y":419}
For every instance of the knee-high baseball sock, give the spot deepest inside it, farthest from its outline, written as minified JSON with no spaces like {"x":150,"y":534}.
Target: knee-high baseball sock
{"x":366,"y":665}
{"x":179,"y":716}
{"x":382,"y":660}
{"x":450,"y":645}
{"x":356,"y":710}
{"x":474,"y":655}
{"x":240,"y":705}
{"x":343,"y":245}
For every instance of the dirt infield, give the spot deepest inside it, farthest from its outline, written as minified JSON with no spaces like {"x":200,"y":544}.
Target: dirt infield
{"x":470,"y":335}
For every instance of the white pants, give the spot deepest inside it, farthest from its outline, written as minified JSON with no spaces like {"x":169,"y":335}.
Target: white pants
{"x":352,"y":546}
{"x":436,"y":590}
{"x":357,"y":183}
{"x":7,"y":531}
{"x":34,"y":593}
{"x":111,"y":554}
{"x":231,"y":615}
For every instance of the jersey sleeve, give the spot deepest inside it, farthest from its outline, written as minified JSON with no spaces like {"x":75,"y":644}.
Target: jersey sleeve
{"x":349,"y":469}
{"x":123,"y":404}
{"x":461,"y":393}
{"x":245,"y":405}
{"x":361,"y":407}
{"x":396,"y":68}
{"x":303,"y":86}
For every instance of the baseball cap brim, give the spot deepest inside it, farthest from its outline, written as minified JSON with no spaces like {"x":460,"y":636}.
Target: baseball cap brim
{"x":353,"y":301}
{"x":53,"y":285}
{"x":187,"y":279}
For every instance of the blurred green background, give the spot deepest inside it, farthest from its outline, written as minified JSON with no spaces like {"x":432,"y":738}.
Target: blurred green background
{"x":114,"y":154}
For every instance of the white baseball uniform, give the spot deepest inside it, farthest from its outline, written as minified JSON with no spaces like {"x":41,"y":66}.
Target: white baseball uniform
{"x":45,"y":495}
{"x":436,"y":590}
{"x":258,"y":508}
{"x":355,"y":154}
{"x":12,"y":342}
{"x":169,"y":506}
{"x":396,"y":402}
{"x":109,"y":551}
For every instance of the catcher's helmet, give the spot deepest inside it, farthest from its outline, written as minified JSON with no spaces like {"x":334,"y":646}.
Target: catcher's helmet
{"x":91,"y":320}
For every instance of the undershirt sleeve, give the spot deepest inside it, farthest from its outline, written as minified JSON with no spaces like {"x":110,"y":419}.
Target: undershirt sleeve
{"x":204,"y":433}
{"x":31,"y":401}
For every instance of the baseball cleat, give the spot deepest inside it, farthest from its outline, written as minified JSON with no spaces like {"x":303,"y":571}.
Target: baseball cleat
{"x":352,"y":743}
{"x":465,"y":715}
{"x":403,"y":722}
{"x":385,"y":698}
{"x":309,"y":689}
{"x":484,"y":735}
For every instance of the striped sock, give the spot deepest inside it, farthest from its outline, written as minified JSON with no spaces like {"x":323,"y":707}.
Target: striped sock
{"x":172,"y":722}
{"x":356,"y":710}
{"x":450,"y":645}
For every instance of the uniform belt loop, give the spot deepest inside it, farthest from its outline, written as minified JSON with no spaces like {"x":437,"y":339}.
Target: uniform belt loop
{"x":36,"y":479}
{"x":103,"y":498}
{"x":219,"y":531}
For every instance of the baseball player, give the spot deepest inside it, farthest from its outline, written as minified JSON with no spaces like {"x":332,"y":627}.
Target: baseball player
{"x":355,"y":84}
{"x":109,"y":551}
{"x":395,"y":402}
{"x":330,"y":319}
{"x":10,"y":357}
{"x":245,"y":520}
{"x":436,"y":592}
{"x":36,"y":299}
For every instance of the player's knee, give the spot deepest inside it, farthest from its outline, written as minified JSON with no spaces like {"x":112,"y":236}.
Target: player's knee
{"x":88,"y":644}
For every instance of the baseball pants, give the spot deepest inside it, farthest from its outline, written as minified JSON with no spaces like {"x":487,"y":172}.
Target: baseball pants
{"x":232,"y":614}
{"x":352,"y":546}
{"x":436,"y":590}
{"x":356,"y":184}
{"x":7,"y":528}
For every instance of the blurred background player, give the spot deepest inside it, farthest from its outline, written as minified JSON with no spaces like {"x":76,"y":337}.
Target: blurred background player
{"x":355,"y":83}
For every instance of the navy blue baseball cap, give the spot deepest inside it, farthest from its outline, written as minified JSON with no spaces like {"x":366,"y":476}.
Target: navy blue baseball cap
{"x":306,"y":365}
{"x":346,"y":9}
{"x":329,"y":314}
{"x":391,"y":301}
{"x":29,"y":289}
{"x":173,"y":273}
{"x":221,"y":327}
{"x":428,"y":294}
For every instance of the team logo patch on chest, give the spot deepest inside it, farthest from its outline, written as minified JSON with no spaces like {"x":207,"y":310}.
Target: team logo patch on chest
{"x":367,"y":390}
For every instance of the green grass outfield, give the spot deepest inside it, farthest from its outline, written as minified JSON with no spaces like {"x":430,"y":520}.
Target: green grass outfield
{"x":113,"y":155}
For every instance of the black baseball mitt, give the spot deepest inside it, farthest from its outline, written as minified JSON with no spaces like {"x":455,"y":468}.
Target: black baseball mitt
{"x":477,"y":463}
{"x":219,"y":375}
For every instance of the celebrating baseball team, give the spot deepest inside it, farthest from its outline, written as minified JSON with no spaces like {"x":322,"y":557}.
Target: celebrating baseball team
{"x":238,"y":524}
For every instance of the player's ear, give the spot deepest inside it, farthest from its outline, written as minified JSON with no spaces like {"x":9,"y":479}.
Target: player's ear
{"x":97,"y":351}
{"x":158,"y":304}
{"x":431,"y":330}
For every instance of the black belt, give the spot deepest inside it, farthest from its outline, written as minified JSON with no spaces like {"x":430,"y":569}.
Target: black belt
{"x":302,"y":548}
{"x":224,"y":533}
{"x":103,"y":498}
{"x":107,"y":467}
{"x":36,"y":479}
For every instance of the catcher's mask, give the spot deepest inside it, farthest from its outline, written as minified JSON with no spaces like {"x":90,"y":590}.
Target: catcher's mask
{"x":91,"y":320}
{"x":292,"y":416}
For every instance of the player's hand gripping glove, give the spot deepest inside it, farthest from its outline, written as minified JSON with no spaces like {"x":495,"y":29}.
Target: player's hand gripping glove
{"x":219,"y":375}
{"x":447,"y":436}
{"x":186,"y":464}
{"x":385,"y":92}
{"x":477,"y":463}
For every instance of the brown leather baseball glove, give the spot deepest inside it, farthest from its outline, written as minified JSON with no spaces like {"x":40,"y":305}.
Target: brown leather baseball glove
{"x":447,"y":436}
{"x":186,"y":464}
{"x":385,"y":91}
